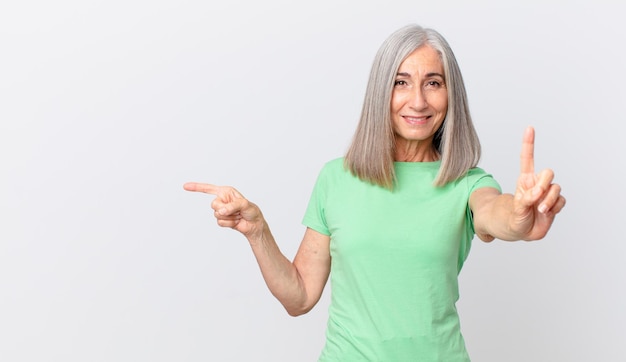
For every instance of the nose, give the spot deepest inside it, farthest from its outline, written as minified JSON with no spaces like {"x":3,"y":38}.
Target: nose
{"x":418,"y":99}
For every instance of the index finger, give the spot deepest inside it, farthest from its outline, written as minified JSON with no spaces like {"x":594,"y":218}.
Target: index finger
{"x":201,"y":187}
{"x":527,"y":157}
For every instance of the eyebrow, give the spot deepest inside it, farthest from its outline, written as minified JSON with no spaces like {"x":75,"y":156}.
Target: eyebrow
{"x":428,"y":75}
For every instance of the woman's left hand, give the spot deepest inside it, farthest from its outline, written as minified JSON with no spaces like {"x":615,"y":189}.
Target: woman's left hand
{"x":537,"y":199}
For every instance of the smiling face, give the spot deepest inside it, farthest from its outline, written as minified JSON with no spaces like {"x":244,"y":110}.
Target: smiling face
{"x":419,"y":103}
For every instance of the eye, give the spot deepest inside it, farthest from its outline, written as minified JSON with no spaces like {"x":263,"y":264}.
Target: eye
{"x":434,"y":83}
{"x":400,"y":83}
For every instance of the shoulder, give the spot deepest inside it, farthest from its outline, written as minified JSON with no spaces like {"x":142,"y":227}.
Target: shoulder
{"x":334,"y":166}
{"x":335,"y":163}
{"x":476,"y":171}
{"x":477,"y":177}
{"x":334,"y":174}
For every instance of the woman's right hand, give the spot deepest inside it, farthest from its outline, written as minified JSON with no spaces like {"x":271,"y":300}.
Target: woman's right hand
{"x":231,"y":209}
{"x":298,"y":285}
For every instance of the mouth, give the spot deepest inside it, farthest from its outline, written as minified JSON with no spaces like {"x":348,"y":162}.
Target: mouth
{"x":415,"y":120}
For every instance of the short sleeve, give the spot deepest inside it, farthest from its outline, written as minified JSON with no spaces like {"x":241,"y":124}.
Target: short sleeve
{"x":314,"y":217}
{"x":477,"y":178}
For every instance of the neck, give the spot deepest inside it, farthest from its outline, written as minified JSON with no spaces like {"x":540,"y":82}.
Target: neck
{"x":416,"y":153}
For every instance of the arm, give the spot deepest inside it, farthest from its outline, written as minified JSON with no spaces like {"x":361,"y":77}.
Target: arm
{"x":526,"y":215}
{"x":298,"y":285}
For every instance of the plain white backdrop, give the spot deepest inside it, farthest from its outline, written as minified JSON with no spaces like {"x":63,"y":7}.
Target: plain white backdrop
{"x":108,"y":107}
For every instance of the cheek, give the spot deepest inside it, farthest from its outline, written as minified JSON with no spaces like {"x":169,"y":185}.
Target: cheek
{"x":440,"y":104}
{"x":399,"y":99}
{"x":444,"y":109}
{"x":396,"y":104}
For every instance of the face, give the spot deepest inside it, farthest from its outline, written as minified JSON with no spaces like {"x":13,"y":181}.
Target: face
{"x":419,"y":100}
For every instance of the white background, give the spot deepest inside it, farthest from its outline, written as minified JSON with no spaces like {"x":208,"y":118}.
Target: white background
{"x":108,"y":107}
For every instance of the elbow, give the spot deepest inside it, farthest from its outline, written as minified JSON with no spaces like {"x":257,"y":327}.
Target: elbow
{"x":298,"y":305}
{"x":486,"y":237}
{"x":296,"y":312}
{"x":298,"y":309}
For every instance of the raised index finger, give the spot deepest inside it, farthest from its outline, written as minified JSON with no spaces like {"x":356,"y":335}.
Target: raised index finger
{"x":527,"y":157}
{"x":200,"y":187}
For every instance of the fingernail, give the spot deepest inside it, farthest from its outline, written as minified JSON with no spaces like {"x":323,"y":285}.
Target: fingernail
{"x":543,"y":208}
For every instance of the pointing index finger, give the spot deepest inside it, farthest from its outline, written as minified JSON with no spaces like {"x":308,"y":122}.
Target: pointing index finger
{"x":201,"y":187}
{"x":527,"y":157}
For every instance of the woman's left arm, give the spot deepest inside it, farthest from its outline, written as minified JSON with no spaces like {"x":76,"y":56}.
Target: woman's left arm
{"x":526,"y":215}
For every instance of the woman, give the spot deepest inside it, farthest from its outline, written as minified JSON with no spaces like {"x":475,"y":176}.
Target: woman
{"x":394,"y":218}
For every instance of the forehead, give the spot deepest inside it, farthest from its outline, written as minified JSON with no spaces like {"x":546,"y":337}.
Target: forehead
{"x":423,"y":59}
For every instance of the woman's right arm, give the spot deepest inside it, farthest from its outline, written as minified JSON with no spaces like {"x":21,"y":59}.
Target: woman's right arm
{"x":298,"y":285}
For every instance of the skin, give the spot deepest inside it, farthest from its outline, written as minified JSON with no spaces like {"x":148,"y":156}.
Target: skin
{"x":298,"y":285}
{"x":526,"y":215}
{"x":418,"y":99}
{"x":419,"y":103}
